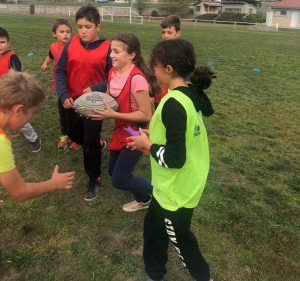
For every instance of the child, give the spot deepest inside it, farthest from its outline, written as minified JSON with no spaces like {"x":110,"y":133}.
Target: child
{"x":83,"y":67}
{"x":61,"y":30}
{"x":128,"y":84}
{"x":8,"y":60}
{"x":179,"y":160}
{"x":170,"y":29}
{"x":20,"y":96}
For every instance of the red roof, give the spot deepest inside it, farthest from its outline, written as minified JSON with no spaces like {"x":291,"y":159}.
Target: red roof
{"x":212,"y":4}
{"x":286,"y":4}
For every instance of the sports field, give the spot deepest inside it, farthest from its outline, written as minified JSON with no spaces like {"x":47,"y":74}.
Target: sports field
{"x":247,"y":222}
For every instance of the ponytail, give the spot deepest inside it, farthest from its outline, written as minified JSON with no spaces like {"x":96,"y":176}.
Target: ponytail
{"x":202,"y":77}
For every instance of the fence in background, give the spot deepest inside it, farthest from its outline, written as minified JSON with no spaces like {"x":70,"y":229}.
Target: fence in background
{"x":118,"y":12}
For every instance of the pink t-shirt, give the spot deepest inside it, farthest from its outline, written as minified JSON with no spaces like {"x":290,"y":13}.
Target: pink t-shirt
{"x":117,"y":83}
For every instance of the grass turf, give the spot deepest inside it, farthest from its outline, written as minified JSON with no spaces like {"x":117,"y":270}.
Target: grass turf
{"x":247,"y":222}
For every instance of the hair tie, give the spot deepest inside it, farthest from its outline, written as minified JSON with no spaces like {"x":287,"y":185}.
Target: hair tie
{"x":188,"y":77}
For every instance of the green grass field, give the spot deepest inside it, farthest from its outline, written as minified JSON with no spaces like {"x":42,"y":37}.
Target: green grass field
{"x":247,"y":222}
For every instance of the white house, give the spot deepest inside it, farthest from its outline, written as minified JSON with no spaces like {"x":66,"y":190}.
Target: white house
{"x":206,"y":7}
{"x":285,"y":13}
{"x":239,"y":7}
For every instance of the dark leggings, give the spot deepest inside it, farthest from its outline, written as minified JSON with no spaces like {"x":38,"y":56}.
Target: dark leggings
{"x":62,"y":118}
{"x":162,"y":226}
{"x":120,"y":166}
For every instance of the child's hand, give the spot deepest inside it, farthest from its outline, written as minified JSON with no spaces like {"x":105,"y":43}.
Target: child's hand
{"x":141,"y":142}
{"x":62,"y":180}
{"x":146,"y":131}
{"x":87,"y":90}
{"x":44,"y":67}
{"x":108,"y":113}
{"x":69,"y":103}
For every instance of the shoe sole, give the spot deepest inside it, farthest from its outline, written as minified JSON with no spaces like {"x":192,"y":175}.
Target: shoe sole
{"x":74,"y":149}
{"x":91,"y":199}
{"x":62,"y":147}
{"x":134,"y":210}
{"x":38,"y":149}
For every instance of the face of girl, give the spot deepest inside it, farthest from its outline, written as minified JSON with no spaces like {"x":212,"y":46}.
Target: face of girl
{"x":119,"y":56}
{"x":161,"y":73}
{"x":62,"y":34}
{"x":87,"y":30}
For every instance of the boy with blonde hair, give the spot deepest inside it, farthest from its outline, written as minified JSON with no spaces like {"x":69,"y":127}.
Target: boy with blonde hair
{"x":8,"y":60}
{"x":20,"y":96}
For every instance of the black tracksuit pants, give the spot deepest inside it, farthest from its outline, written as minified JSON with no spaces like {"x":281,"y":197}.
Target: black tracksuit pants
{"x":162,"y":226}
{"x":86,"y":132}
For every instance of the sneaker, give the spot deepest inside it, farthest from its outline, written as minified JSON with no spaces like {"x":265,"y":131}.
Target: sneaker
{"x":92,"y":189}
{"x":74,"y":146}
{"x":102,"y":144}
{"x":63,"y":142}
{"x":36,"y":145}
{"x":135,"y":206}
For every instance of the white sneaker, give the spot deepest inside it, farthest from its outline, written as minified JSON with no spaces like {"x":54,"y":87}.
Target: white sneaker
{"x":135,"y":206}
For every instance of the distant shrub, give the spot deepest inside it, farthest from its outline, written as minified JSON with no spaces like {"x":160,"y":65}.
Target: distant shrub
{"x":154,"y":13}
{"x":254,"y":18}
{"x":227,"y":16}
{"x":239,"y":17}
{"x":207,"y":16}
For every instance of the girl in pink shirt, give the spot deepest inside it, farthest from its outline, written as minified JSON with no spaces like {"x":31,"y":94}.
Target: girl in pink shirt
{"x":130,"y":83}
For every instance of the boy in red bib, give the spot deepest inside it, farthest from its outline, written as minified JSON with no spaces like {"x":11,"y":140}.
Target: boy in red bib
{"x":8,"y":60}
{"x":61,"y":30}
{"x":83,"y":67}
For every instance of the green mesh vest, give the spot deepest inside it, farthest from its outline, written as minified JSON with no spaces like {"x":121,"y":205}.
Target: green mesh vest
{"x":177,"y":188}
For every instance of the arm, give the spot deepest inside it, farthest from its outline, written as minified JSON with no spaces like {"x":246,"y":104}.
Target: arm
{"x":47,"y":61}
{"x":61,"y":75}
{"x":172,"y":154}
{"x":15,"y":63}
{"x":143,"y":114}
{"x":14,"y":184}
{"x":140,"y":88}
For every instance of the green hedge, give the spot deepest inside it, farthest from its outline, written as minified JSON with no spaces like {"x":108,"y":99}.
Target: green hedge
{"x":227,"y":16}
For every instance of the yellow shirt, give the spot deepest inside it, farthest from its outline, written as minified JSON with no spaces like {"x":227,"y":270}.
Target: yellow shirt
{"x":7,"y":161}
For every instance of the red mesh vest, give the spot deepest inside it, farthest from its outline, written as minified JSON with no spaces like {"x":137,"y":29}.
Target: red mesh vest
{"x":5,"y":62}
{"x":85,"y":67}
{"x":118,"y":138}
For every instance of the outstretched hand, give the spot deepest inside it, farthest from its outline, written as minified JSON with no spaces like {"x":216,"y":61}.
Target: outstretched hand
{"x":141,"y":142}
{"x":62,"y":180}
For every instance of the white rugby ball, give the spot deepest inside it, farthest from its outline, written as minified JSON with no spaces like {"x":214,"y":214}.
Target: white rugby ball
{"x":87,"y":101}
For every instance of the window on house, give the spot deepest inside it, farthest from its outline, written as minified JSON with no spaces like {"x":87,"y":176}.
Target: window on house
{"x":280,"y":13}
{"x":233,"y":10}
{"x":197,"y":8}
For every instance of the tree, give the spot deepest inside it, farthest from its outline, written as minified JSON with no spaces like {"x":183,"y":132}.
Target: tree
{"x":174,"y":6}
{"x":141,"y":5}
